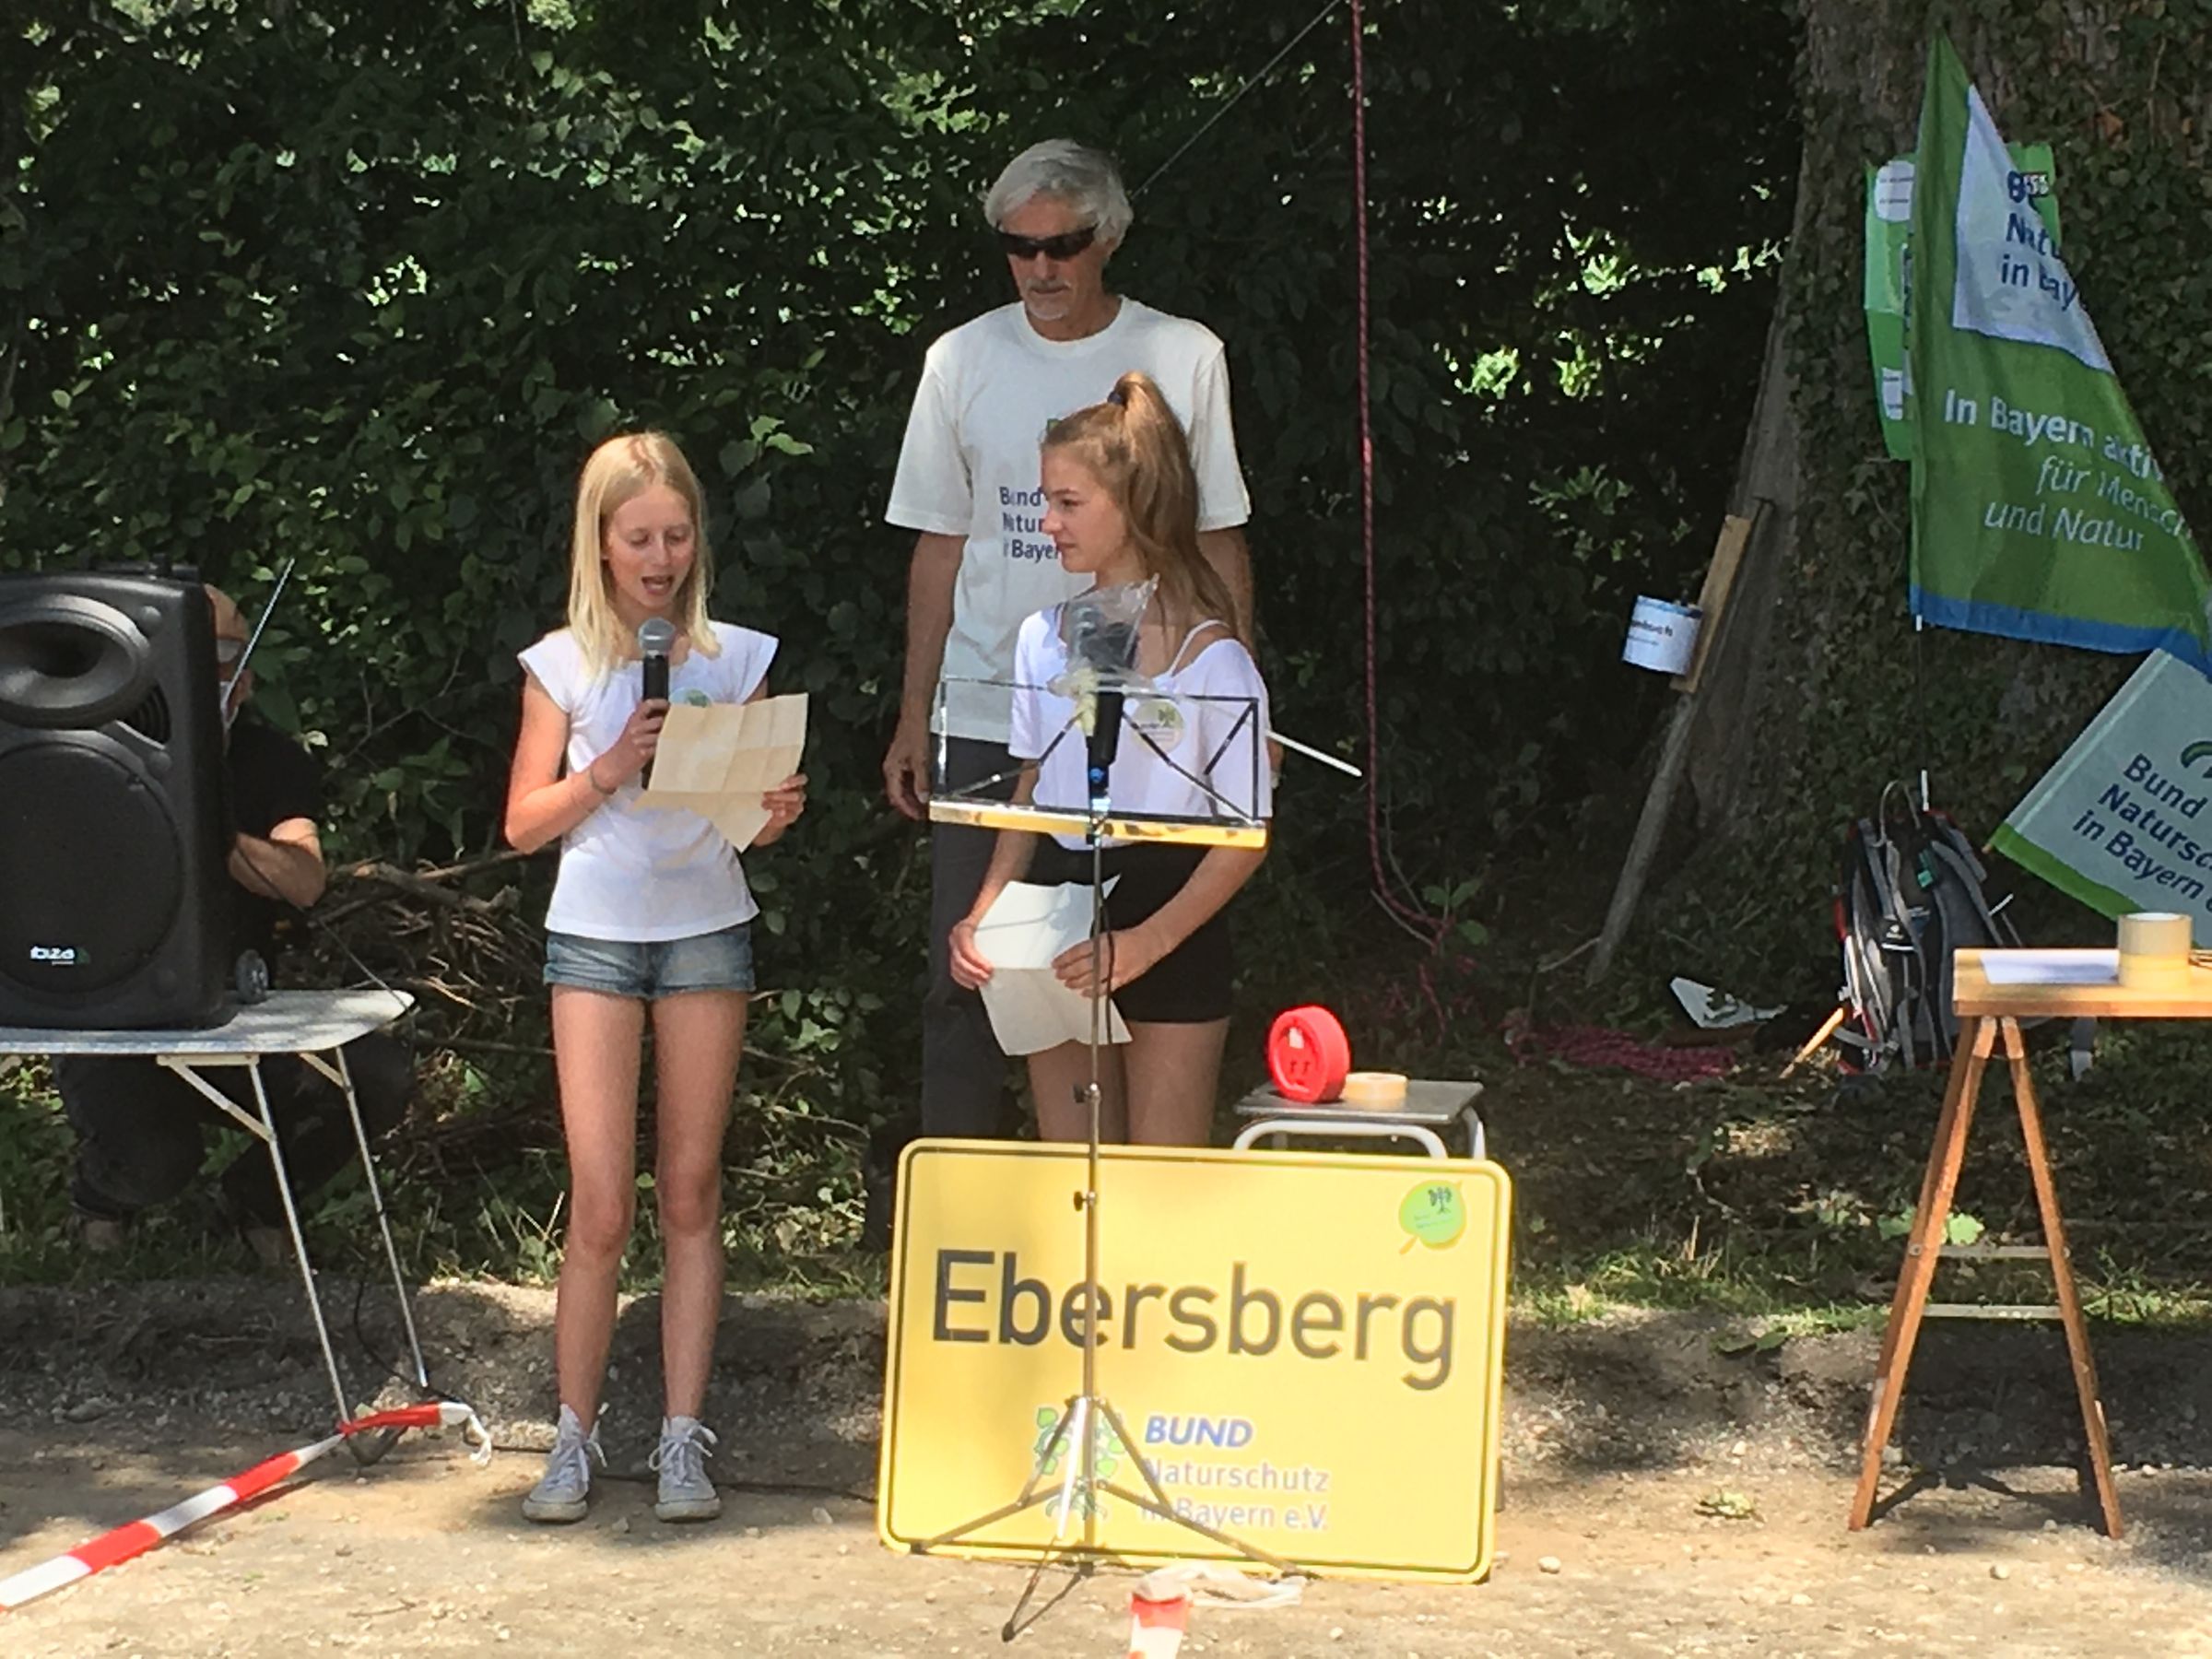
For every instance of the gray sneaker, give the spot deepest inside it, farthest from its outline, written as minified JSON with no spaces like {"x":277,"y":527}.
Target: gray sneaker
{"x":563,"y":1493}
{"x":686,"y":1493}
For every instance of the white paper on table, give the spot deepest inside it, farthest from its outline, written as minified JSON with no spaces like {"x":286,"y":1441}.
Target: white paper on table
{"x":1026,"y":927}
{"x":2051,"y":967}
{"x":718,"y":760}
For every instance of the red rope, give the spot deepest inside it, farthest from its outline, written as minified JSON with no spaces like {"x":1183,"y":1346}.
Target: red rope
{"x":1416,"y":920}
{"x":1596,"y":1046}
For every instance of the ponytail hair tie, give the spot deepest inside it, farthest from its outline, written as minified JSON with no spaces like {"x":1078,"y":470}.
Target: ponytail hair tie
{"x":1118,"y":397}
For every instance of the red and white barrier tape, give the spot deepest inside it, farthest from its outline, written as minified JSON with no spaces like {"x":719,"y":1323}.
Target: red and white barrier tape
{"x":125,"y":1543}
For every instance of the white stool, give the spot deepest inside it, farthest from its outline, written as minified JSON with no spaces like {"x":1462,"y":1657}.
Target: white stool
{"x":1430,"y":1107}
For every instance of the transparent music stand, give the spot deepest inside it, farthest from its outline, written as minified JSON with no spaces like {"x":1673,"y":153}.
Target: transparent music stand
{"x":1234,"y":824}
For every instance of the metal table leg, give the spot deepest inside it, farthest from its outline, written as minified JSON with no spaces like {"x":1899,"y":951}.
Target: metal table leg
{"x":342,"y":1074}
{"x":291,"y":1219}
{"x":265,"y":1129}
{"x":1334,"y":1128}
{"x":367,"y":1447}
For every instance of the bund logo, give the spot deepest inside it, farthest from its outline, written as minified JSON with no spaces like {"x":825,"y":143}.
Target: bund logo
{"x":2194,"y":757}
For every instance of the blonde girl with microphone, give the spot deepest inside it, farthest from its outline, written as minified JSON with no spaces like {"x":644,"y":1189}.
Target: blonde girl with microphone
{"x":649,"y":919}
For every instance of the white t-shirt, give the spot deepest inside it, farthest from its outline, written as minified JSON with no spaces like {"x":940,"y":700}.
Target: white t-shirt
{"x":1209,"y":716}
{"x":969,"y":468}
{"x":644,"y":873}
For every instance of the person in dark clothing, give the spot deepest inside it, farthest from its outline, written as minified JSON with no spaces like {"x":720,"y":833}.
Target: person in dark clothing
{"x":141,"y":1128}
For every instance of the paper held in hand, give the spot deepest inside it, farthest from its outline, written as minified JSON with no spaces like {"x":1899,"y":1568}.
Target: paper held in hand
{"x":720,"y":759}
{"x":1025,"y":928}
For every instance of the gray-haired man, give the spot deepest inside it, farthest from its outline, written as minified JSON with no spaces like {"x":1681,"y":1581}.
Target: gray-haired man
{"x":968,"y":483}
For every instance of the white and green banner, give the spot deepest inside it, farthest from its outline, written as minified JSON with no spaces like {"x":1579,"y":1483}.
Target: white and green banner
{"x":1888,"y":262}
{"x":2120,"y":823}
{"x":2038,"y":509}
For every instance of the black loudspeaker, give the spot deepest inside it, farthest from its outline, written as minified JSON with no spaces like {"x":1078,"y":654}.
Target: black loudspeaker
{"x":115,"y":905}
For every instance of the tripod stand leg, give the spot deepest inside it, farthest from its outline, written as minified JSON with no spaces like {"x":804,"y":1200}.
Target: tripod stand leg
{"x":1029,"y":1498}
{"x":1158,"y":1503}
{"x":1227,"y":1540}
{"x":1083,"y":1568}
{"x":1078,"y":1461}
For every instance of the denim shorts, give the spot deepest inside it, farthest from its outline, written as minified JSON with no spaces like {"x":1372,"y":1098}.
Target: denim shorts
{"x":711,"y":961}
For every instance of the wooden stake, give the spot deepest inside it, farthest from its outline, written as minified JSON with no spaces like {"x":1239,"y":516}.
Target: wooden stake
{"x":1829,"y":1027}
{"x":1674,"y":755}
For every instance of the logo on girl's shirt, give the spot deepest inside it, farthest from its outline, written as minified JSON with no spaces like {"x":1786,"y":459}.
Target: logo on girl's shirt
{"x":695,"y":699}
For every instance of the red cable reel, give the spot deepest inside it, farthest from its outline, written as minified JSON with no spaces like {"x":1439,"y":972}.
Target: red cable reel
{"x":1308,"y":1055}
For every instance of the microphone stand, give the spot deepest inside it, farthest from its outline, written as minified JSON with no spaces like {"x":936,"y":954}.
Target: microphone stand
{"x":1087,"y":1411}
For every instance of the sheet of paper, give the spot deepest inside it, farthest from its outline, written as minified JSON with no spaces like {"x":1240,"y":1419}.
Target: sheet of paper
{"x":718,"y":760}
{"x":1026,"y":927}
{"x":2051,"y":967}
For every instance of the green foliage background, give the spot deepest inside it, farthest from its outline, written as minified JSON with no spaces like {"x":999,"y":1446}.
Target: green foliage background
{"x":362,"y":285}
{"x":359,"y":286}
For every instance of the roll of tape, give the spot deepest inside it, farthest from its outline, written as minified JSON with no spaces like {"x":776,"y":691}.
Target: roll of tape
{"x":1376,"y":1092}
{"x":2154,"y":950}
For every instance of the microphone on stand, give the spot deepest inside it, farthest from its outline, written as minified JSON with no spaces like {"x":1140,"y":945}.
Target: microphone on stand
{"x":1102,"y":743}
{"x":656,"y":638}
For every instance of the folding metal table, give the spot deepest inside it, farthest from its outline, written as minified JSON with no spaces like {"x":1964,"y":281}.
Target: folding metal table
{"x":314,"y":1025}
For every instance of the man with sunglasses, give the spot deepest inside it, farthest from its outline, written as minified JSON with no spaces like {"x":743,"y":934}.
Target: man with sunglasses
{"x":139,"y":1127}
{"x":968,"y":484}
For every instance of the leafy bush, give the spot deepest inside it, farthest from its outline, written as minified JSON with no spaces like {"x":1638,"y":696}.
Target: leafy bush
{"x":358,"y":287}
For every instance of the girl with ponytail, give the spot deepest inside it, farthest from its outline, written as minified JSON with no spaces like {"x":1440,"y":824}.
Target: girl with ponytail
{"x":1121,"y":506}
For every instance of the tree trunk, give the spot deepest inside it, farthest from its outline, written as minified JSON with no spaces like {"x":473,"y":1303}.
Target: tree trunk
{"x":1826,"y":691}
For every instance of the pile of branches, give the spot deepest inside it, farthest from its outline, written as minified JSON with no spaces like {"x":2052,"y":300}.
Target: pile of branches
{"x":457,"y":939}
{"x":463,"y":942}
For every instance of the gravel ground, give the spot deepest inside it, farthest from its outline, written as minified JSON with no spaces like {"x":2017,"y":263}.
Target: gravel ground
{"x":1669,"y":1489}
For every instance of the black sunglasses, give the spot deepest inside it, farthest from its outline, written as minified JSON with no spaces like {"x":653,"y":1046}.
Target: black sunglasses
{"x":1065,"y":245}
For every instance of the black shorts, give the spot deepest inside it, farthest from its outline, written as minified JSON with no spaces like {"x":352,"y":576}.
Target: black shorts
{"x":1190,"y":985}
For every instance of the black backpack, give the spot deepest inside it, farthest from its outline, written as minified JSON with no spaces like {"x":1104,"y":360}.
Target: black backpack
{"x":1912,"y":892}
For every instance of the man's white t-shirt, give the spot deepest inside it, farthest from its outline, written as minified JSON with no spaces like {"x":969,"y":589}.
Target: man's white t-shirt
{"x":969,"y":468}
{"x":635,"y":874}
{"x":1208,"y":716}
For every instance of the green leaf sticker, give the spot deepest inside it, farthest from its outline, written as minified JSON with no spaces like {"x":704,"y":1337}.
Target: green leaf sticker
{"x":1434,"y":1213}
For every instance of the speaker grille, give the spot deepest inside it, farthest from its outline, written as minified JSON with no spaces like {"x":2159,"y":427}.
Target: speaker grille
{"x":151,"y":718}
{"x":90,"y":869}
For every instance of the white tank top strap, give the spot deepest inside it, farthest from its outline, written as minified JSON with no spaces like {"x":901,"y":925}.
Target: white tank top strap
{"x":1178,"y":665}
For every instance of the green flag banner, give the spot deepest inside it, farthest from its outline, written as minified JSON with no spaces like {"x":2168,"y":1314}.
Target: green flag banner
{"x":1889,"y":239}
{"x":2123,"y":821}
{"x":2038,"y":510}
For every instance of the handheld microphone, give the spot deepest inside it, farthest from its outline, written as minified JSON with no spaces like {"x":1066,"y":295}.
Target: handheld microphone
{"x":1102,"y":743}
{"x":656,"y":638}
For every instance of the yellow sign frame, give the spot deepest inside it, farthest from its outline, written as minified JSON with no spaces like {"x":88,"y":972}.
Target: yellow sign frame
{"x":1299,"y":1342}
